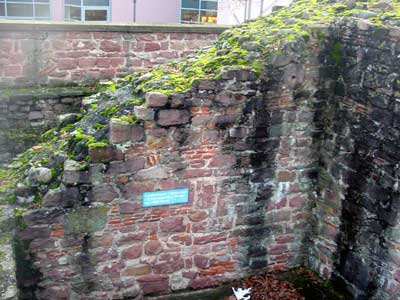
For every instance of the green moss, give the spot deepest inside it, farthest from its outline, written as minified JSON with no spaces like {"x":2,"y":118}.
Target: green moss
{"x":100,"y":144}
{"x":130,"y":119}
{"x":108,"y":112}
{"x":337,"y":53}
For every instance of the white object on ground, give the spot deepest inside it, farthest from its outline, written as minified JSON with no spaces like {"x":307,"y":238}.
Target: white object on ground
{"x":240,"y":293}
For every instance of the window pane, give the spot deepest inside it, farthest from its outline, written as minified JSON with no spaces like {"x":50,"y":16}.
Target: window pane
{"x":95,"y":15}
{"x":213,"y":5}
{"x":20,"y":10}
{"x":190,"y":4}
{"x":208,"y":17}
{"x":190,"y":16}
{"x":28,"y":1}
{"x":72,"y":13}
{"x":2,"y":10}
{"x":96,"y":2}
{"x":42,"y":1}
{"x":42,"y":10}
{"x":73,"y":2}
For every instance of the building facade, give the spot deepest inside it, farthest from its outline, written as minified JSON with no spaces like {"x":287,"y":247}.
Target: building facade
{"x":140,"y":11}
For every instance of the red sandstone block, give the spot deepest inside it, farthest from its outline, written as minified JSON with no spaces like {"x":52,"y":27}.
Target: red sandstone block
{"x":67,"y":63}
{"x":146,"y":37}
{"x":12,"y":71}
{"x":212,"y":238}
{"x":172,"y":224}
{"x":169,"y":267}
{"x":198,"y":216}
{"x":132,"y":252}
{"x":202,"y":283}
{"x":154,"y":283}
{"x":155,"y":99}
{"x":286,"y":176}
{"x":148,"y":47}
{"x":220,"y":161}
{"x":110,"y":46}
{"x":117,"y":61}
{"x":6,"y":46}
{"x":103,"y":62}
{"x":153,"y":248}
{"x":137,"y":270}
{"x":201,"y":261}
{"x":86,"y":62}
{"x":277,"y":249}
{"x":170,"y":117}
{"x":297,"y":201}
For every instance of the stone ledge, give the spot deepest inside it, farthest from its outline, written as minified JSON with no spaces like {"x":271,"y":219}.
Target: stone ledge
{"x":12,"y":25}
{"x":217,"y":293}
{"x":27,"y":93}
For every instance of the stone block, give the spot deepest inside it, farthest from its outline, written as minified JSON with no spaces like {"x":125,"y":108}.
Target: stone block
{"x":137,"y":270}
{"x":155,"y":99}
{"x":132,"y":252}
{"x":144,"y":114}
{"x":171,"y":117}
{"x":85,"y":220}
{"x":172,"y":224}
{"x":122,"y":132}
{"x":153,"y":248}
{"x":154,"y":284}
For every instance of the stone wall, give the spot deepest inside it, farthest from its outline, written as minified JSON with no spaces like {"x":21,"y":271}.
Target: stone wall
{"x":357,"y":195}
{"x":297,"y":168}
{"x":60,"y":53}
{"x":25,"y":114}
{"x":240,"y":144}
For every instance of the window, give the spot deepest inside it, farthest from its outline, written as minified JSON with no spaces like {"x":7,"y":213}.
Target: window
{"x":25,"y":9}
{"x":87,"y":10}
{"x":199,"y":11}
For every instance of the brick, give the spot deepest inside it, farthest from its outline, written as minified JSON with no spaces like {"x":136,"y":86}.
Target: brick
{"x":198,"y":216}
{"x":131,"y":166}
{"x":211,"y":238}
{"x":67,"y":63}
{"x":286,"y":176}
{"x":103,"y":193}
{"x":201,"y":261}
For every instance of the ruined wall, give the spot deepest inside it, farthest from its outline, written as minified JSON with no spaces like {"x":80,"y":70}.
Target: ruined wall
{"x":297,"y":166}
{"x":357,"y":200}
{"x":60,"y":53}
{"x":240,"y":144}
{"x":25,"y":114}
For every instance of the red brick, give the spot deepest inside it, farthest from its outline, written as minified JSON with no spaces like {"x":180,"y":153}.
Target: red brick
{"x":286,"y":176}
{"x":201,"y":261}
{"x":137,"y":270}
{"x":212,"y":238}
{"x":67,"y":63}
{"x":297,"y":201}
{"x":103,"y":62}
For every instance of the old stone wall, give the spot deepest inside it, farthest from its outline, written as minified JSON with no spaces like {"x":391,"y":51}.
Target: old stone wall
{"x":299,"y":167}
{"x":59,"y":53}
{"x":239,"y":144}
{"x":357,"y":199}
{"x":25,"y":114}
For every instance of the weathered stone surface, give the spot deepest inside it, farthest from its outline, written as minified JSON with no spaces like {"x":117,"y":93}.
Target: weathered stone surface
{"x":39,"y":175}
{"x":85,"y":220}
{"x":154,"y":99}
{"x":122,"y":132}
{"x":153,"y":248}
{"x":132,"y":252}
{"x":171,"y":117}
{"x":154,"y":284}
{"x":144,"y":114}
{"x":172,"y":224}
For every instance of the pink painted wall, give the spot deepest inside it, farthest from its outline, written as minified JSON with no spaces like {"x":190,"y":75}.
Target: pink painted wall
{"x":157,"y":11}
{"x":122,"y":10}
{"x":57,"y":10}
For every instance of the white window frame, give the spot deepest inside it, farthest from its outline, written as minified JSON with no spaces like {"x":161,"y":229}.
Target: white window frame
{"x":86,"y":7}
{"x":199,"y":10}
{"x":33,"y":10}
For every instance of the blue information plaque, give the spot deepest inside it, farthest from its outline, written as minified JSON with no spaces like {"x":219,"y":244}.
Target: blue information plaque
{"x":167,"y":197}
